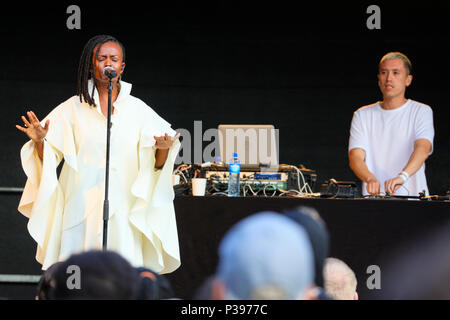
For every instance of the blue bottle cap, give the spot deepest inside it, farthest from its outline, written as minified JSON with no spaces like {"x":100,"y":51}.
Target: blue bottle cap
{"x":235,"y":154}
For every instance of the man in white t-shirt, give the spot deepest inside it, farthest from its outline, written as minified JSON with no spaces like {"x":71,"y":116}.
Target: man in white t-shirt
{"x":390,"y":140}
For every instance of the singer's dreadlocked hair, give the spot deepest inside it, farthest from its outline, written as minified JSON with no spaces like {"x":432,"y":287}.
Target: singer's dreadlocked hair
{"x":84,"y":73}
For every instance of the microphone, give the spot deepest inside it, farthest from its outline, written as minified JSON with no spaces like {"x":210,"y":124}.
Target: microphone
{"x":109,"y":72}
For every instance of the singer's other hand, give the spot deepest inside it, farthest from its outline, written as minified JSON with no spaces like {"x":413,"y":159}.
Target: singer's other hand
{"x":165,"y":142}
{"x":33,"y":128}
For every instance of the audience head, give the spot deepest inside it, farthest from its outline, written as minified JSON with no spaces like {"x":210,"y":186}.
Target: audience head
{"x":153,"y":286}
{"x":264,"y":256}
{"x":47,"y":283}
{"x":340,"y":280}
{"x":317,"y":232}
{"x":95,"y":275}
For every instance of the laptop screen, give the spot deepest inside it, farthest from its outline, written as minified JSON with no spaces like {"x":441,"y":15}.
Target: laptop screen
{"x":256,"y":144}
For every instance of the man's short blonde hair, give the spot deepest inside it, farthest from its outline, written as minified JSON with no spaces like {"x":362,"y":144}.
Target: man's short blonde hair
{"x":397,"y":55}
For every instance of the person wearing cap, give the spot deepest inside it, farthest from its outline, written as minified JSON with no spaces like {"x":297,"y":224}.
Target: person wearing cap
{"x":390,"y":140}
{"x":317,"y":231}
{"x":266,"y":256}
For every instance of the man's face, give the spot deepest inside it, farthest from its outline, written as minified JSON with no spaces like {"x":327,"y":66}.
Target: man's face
{"x":110,"y":54}
{"x":393,"y":78}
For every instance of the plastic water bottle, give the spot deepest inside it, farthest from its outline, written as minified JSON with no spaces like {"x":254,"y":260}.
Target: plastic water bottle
{"x":233,"y":178}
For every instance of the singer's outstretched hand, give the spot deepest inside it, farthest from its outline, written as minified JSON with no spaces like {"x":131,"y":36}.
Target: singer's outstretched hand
{"x":165,"y":142}
{"x":33,"y":128}
{"x":163,"y":145}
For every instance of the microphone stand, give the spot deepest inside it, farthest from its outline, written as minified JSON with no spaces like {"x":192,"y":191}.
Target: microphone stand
{"x":106,"y":202}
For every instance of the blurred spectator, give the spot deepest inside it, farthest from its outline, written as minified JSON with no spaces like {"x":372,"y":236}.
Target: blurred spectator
{"x":340,"y":281}
{"x":264,"y":256}
{"x":47,"y":283}
{"x":102,"y":275}
{"x":318,"y":235}
{"x":153,"y":286}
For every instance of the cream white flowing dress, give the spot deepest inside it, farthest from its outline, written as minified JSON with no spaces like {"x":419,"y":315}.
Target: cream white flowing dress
{"x":66,"y":212}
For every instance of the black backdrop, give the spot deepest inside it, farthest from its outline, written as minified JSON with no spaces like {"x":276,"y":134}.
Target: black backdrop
{"x":302,"y":67}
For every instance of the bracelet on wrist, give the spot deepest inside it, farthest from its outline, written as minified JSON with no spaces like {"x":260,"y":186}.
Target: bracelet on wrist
{"x":404,"y":175}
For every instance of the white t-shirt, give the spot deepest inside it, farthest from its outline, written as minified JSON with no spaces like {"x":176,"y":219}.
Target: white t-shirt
{"x":387,"y":137}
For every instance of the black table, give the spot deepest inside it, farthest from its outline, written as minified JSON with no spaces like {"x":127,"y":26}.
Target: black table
{"x":362,"y":231}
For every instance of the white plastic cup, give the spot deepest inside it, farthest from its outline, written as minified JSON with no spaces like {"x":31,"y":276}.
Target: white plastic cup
{"x":198,"y":186}
{"x":175,"y":179}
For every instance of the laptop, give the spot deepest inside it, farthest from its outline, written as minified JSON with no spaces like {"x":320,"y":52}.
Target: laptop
{"x":257,"y":145}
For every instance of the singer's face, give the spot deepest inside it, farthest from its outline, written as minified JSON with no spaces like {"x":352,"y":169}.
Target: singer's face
{"x":109,"y":55}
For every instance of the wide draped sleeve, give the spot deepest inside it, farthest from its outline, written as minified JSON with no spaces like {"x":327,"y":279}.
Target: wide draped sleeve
{"x":42,"y":200}
{"x":153,"y":212}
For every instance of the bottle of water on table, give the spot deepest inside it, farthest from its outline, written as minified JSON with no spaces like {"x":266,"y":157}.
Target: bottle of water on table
{"x":234,"y":170}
